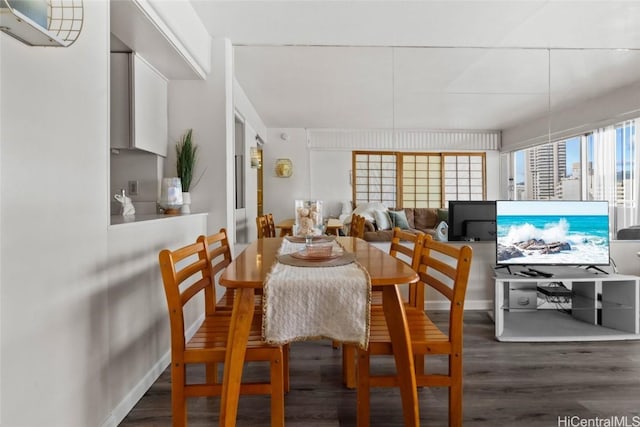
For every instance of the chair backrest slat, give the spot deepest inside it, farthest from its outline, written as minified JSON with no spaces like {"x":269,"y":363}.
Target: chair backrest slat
{"x":218,"y":256}
{"x":185,"y":273}
{"x":403,"y":251}
{"x":445,"y":268}
{"x":193,"y":290}
{"x":406,"y":247}
{"x":265,"y":225}
{"x":356,"y":228}
{"x":271,"y":225}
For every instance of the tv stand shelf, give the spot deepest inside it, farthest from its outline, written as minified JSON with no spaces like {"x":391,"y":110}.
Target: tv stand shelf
{"x":574,"y":304}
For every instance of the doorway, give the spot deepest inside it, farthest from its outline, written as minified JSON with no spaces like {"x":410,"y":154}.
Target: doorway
{"x":240,"y":214}
{"x":260,"y":182}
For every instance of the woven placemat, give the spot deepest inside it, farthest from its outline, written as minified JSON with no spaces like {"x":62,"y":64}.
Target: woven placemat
{"x":344,"y":259}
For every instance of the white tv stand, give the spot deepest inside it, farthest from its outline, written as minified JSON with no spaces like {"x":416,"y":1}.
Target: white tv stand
{"x":593,"y":307}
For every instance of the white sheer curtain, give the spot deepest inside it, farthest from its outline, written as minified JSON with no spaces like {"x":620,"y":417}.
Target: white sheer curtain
{"x":604,"y":165}
{"x":615,"y":177}
{"x":627,"y":175}
{"x":630,"y":163}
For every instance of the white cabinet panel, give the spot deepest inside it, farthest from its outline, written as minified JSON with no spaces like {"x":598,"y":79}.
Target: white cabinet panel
{"x":120,"y":101}
{"x":139,"y":114}
{"x":149,"y":108}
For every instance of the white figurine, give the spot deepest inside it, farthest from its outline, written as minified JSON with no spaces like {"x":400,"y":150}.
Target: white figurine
{"x":127,"y":206}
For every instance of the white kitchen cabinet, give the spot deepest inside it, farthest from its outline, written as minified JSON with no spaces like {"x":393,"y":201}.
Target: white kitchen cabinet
{"x":138,"y":105}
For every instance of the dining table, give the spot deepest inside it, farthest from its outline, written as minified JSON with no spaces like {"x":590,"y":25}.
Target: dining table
{"x":248,"y":272}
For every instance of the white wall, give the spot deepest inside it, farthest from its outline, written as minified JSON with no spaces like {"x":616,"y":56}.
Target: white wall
{"x":330,"y":179}
{"x":139,"y":339}
{"x":251,"y":183}
{"x":253,"y":127}
{"x":75,"y":348}
{"x":323,"y":174}
{"x":619,"y":105}
{"x":206,"y":107}
{"x":242,"y":104}
{"x":144,"y":167}
{"x":54,"y":216}
{"x":280,"y":193}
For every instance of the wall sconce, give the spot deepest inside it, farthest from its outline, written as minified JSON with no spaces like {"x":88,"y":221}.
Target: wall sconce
{"x":284,"y":168}
{"x":256,"y":157}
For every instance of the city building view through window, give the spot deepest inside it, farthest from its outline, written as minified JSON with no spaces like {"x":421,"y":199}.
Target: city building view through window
{"x":599,"y":165}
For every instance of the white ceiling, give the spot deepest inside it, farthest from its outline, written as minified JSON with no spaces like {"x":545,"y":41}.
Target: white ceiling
{"x":424,"y":64}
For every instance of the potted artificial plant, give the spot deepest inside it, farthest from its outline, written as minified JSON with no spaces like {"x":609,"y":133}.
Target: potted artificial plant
{"x":186,"y":159}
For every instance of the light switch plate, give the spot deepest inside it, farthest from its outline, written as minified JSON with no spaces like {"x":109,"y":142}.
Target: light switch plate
{"x":133,"y":188}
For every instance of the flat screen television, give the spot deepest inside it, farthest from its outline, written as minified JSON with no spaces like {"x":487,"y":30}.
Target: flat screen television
{"x":552,"y":232}
{"x":472,"y":220}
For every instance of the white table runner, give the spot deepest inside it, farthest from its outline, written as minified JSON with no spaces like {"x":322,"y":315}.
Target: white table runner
{"x":301,"y":303}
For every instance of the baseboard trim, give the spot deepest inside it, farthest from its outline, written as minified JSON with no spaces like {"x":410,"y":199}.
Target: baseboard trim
{"x":131,"y":399}
{"x":468,"y":305}
{"x":126,"y":405}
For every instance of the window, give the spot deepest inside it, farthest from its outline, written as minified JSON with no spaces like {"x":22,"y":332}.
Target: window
{"x":418,"y":180}
{"x":464,"y":177}
{"x":599,"y":165}
{"x":375,"y":178}
{"x":549,"y":171}
{"x":421,"y":180}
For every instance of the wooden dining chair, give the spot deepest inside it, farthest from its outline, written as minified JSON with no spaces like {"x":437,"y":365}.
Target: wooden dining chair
{"x":271,"y":224}
{"x":405,"y":246}
{"x":188,"y":273}
{"x":217,"y":245}
{"x":220,"y":257}
{"x":356,"y":228}
{"x":262,"y":226}
{"x":444,"y":268}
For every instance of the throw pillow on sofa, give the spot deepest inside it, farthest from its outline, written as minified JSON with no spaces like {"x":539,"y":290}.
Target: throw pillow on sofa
{"x":399,"y":219}
{"x":383,"y":220}
{"x":443,"y":214}
{"x":366,"y":209}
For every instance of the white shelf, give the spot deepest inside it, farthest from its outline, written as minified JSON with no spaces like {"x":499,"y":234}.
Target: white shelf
{"x":601,"y":307}
{"x":554,"y":326}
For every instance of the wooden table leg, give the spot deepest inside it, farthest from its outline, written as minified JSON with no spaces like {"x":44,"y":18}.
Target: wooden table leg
{"x":243,"y":308}
{"x":399,"y":332}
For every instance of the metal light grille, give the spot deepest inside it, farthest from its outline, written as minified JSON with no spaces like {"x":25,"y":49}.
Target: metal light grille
{"x":65,"y":19}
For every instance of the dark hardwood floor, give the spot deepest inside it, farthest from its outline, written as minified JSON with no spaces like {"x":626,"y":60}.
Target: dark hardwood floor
{"x":506,"y":384}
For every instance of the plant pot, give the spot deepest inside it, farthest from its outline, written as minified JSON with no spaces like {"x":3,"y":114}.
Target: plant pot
{"x":186,"y":203}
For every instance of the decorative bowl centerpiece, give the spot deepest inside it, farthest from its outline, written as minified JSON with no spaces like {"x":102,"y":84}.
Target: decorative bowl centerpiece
{"x":308,"y":218}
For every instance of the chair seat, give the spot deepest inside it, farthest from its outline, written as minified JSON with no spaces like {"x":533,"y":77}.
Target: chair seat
{"x":209,"y":342}
{"x":426,"y":337}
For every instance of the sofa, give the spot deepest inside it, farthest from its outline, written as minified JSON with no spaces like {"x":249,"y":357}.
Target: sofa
{"x":630,"y":233}
{"x":423,"y":220}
